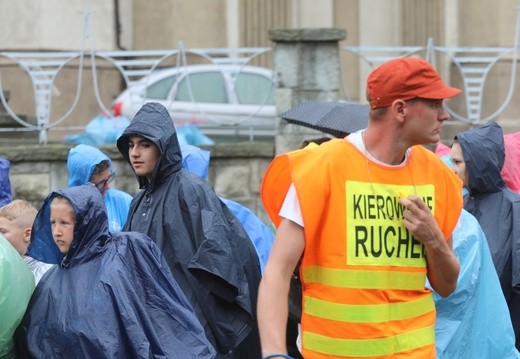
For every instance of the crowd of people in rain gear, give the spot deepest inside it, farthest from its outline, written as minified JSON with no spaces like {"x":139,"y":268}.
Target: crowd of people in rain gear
{"x":178,"y":272}
{"x":186,"y":262}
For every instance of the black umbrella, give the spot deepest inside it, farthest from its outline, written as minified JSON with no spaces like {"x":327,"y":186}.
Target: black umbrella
{"x":335,"y":118}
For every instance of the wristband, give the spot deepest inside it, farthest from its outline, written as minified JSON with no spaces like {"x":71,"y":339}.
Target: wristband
{"x":278,"y":355}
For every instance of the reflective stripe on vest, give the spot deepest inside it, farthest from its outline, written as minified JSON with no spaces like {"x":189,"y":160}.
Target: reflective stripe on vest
{"x":369,"y":347}
{"x":370,"y":313}
{"x":364,"y":279}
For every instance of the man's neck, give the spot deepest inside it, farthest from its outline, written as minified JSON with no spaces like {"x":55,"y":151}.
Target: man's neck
{"x":384,"y":148}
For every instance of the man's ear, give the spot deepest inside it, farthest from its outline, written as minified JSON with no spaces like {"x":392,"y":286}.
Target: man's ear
{"x":399,"y":109}
{"x":27,"y":234}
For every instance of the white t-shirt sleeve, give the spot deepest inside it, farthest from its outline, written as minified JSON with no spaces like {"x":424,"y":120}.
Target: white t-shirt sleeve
{"x":291,"y":207}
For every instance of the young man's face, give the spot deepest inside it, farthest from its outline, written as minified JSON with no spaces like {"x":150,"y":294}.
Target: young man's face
{"x":459,"y":166}
{"x":63,"y":220}
{"x":427,"y":117}
{"x":15,"y":234}
{"x":143,"y":156}
{"x":102,"y":181}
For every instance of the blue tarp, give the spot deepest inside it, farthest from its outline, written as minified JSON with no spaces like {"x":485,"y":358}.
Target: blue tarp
{"x":192,"y":135}
{"x":104,"y":130}
{"x":101,"y":130}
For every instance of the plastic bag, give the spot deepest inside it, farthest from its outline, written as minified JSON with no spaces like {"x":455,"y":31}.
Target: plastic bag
{"x":101,"y":130}
{"x":192,"y":135}
{"x":16,"y":287}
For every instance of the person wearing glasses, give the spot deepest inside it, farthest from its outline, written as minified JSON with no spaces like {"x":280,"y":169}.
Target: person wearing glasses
{"x":88,"y":164}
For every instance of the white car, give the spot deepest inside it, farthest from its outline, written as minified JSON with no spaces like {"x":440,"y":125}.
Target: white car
{"x":222,"y":100}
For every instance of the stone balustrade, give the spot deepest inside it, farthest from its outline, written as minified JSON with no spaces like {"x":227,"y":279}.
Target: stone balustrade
{"x":235,"y":170}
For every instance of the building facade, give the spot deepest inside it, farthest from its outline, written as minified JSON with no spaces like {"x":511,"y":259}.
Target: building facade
{"x":109,"y":25}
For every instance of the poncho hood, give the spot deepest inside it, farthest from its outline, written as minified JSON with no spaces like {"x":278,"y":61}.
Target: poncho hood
{"x":81,"y":162}
{"x":484,"y":153}
{"x":154,"y":123}
{"x":90,"y":232}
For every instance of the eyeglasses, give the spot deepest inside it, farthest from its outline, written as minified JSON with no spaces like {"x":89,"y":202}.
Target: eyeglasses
{"x":103,"y":184}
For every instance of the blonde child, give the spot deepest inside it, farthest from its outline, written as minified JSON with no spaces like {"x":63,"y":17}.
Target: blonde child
{"x":16,"y":220}
{"x":111,"y":295}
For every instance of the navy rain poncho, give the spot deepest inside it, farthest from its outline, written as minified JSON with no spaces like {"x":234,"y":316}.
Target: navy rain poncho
{"x":207,"y":249}
{"x":112,"y":296}
{"x":196,"y":160}
{"x":496,"y":207}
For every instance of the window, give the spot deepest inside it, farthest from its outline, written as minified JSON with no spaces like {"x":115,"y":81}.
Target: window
{"x":254,"y":89}
{"x":203,"y":87}
{"x":161,"y":88}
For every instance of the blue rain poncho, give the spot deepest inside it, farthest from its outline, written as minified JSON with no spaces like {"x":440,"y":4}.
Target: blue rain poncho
{"x":81,"y":162}
{"x":474,"y":321}
{"x":112,"y":295}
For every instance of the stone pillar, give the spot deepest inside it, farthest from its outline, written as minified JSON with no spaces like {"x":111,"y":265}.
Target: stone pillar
{"x":307,"y":67}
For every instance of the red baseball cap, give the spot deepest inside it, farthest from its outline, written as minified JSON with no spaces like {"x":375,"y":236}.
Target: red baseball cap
{"x":405,"y":78}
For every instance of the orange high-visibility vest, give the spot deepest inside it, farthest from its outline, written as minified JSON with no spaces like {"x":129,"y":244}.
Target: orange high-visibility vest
{"x":363,"y":274}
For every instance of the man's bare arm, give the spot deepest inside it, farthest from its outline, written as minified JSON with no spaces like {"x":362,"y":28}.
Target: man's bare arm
{"x":274,"y":287}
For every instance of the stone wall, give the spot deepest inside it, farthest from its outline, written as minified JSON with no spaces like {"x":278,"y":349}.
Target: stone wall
{"x":235,"y":170}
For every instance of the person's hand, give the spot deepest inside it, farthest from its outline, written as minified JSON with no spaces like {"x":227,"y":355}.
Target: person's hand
{"x":443,"y":267}
{"x":419,"y":221}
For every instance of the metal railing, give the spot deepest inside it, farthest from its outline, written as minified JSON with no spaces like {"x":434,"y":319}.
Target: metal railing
{"x":43,"y":68}
{"x":473,"y":63}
